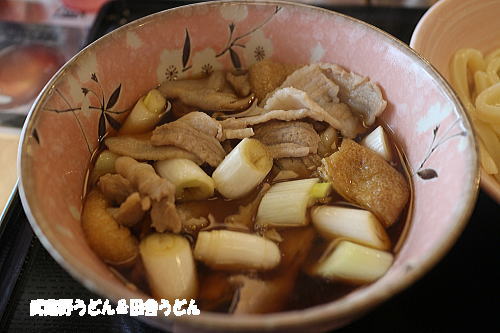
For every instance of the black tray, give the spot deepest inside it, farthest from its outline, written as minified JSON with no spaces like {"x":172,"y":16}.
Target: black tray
{"x":458,"y":293}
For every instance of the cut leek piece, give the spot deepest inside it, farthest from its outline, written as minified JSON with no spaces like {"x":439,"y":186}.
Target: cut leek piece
{"x":285,"y":204}
{"x":232,"y":250}
{"x":191,"y":182}
{"x":242,"y":169}
{"x":146,"y":113}
{"x":321,"y":190}
{"x":357,"y":225}
{"x":378,"y":142}
{"x":353,"y":263}
{"x":105,"y":163}
{"x":170,"y":268}
{"x":154,"y":101}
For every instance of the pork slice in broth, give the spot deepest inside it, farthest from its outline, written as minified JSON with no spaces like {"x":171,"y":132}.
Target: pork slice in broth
{"x":361,"y":94}
{"x":311,"y":80}
{"x":181,"y":134}
{"x":287,"y":138}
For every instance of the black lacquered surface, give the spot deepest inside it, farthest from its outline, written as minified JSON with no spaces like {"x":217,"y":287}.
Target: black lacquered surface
{"x":460,"y":293}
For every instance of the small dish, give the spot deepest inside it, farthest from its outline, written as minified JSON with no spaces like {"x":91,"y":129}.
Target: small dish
{"x":450,"y":25}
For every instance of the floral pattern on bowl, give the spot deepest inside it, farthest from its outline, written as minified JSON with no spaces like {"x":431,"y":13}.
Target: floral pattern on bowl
{"x":88,"y":98}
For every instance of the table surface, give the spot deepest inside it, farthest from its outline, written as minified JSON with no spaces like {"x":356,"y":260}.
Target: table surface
{"x":9,"y":139}
{"x":461,"y":292}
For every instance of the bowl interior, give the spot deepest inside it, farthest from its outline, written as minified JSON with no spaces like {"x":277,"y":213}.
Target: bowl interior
{"x":454,"y":24}
{"x":81,"y":103}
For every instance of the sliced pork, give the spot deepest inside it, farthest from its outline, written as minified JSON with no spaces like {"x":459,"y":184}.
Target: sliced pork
{"x":298,"y":132}
{"x":194,"y":135}
{"x":239,"y":83}
{"x":362,"y":95}
{"x":293,"y":104}
{"x":132,"y":210}
{"x":139,"y":147}
{"x":162,"y":192}
{"x":311,"y":80}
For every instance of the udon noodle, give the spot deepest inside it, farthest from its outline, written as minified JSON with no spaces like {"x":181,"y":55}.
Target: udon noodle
{"x":476,"y":80}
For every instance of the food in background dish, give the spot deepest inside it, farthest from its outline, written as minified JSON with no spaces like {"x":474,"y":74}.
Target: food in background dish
{"x":476,"y":81}
{"x":24,"y":71}
{"x":251,"y":204}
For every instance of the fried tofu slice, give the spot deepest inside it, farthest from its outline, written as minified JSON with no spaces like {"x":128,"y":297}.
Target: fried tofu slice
{"x":265,"y":76}
{"x":112,"y":242}
{"x":363,"y":177}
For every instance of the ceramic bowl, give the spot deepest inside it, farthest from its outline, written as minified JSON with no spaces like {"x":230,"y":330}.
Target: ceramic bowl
{"x":451,"y":25}
{"x":87,"y":96}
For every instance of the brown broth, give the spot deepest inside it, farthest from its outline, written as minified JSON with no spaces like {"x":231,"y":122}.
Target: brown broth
{"x":308,"y":291}
{"x":311,"y":291}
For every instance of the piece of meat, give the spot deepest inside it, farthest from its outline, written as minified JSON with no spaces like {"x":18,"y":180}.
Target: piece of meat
{"x":164,"y":216}
{"x":239,"y":83}
{"x":208,"y":125}
{"x":270,"y":295}
{"x":323,"y":90}
{"x":239,"y":133}
{"x":246,"y":213}
{"x":162,"y":192}
{"x":180,"y":109}
{"x":132,"y":210}
{"x":260,"y":296}
{"x":115,"y":188}
{"x":281,"y":150}
{"x":212,"y":100}
{"x":172,"y":89}
{"x":327,"y":142}
{"x":181,"y":134}
{"x":292,"y":104}
{"x":206,"y":94}
{"x":286,"y":136}
{"x":294,"y":164}
{"x":265,"y":76}
{"x":203,"y":122}
{"x":366,"y":179}
{"x":253,"y":110}
{"x":139,"y":147}
{"x":311,"y":80}
{"x":311,"y":161}
{"x":143,"y":177}
{"x":337,"y":115}
{"x":362,"y":95}
{"x":286,"y":115}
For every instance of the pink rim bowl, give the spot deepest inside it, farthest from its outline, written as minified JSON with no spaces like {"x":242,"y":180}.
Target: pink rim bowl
{"x":62,"y":131}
